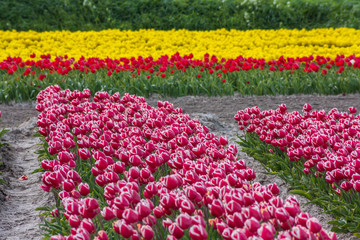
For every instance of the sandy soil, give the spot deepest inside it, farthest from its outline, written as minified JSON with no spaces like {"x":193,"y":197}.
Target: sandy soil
{"x":18,"y":199}
{"x":18,"y":219}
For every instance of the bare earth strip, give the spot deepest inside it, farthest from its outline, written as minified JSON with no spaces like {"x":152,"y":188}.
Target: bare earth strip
{"x":18,"y":220}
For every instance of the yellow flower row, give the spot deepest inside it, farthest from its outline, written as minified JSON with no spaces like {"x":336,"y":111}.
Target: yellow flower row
{"x":268,"y":44}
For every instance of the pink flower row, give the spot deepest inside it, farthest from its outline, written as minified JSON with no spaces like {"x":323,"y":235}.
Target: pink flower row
{"x":329,"y":142}
{"x":154,"y":171}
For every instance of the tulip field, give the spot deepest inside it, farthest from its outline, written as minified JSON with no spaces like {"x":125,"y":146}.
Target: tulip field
{"x":181,"y":63}
{"x":180,"y":119}
{"x":315,"y":152}
{"x":171,"y":177}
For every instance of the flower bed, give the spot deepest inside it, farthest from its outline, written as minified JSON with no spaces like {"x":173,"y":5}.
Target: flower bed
{"x":118,"y":166}
{"x":112,"y":43}
{"x":316,"y":152}
{"x":181,"y":75}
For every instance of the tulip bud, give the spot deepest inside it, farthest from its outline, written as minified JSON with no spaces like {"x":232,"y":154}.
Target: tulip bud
{"x":84,"y":153}
{"x":198,"y":232}
{"x":187,"y":206}
{"x":63,"y":194}
{"x":313,"y":225}
{"x":88,"y":225}
{"x":130,"y":216}
{"x":217,"y":208}
{"x":147,"y":232}
{"x":299,"y":232}
{"x":356,"y":186}
{"x":171,"y":182}
{"x":252,"y":224}
{"x":134,"y":172}
{"x":143,"y":209}
{"x":122,"y":228}
{"x":57,"y":237}
{"x":175,"y":230}
{"x":266,"y":231}
{"x":119,"y":167}
{"x":292,"y":209}
{"x":84,"y":189}
{"x":352,"y":110}
{"x":302,"y":219}
{"x":281,"y":214}
{"x":101,"y":163}
{"x":224,"y":141}
{"x":75,"y":194}
{"x":68,"y":185}
{"x":101,"y":235}
{"x":184,"y":221}
{"x":107,"y":213}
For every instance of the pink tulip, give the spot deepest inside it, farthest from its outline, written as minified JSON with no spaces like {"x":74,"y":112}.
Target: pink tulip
{"x":74,"y":221}
{"x":198,"y":232}
{"x":183,"y":221}
{"x":107,"y":213}
{"x":84,"y":189}
{"x":143,"y":209}
{"x":84,"y":154}
{"x":176,"y":230}
{"x":122,"y":228}
{"x":299,"y":232}
{"x":130,"y":216}
{"x":101,"y":235}
{"x":252,"y":224}
{"x":88,"y":225}
{"x":313,"y":225}
{"x":146,"y":232}
{"x":217,"y":208}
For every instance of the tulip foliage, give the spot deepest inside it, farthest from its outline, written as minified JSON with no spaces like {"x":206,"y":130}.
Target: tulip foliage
{"x":178,"y":75}
{"x":119,"y":168}
{"x":317,"y":153}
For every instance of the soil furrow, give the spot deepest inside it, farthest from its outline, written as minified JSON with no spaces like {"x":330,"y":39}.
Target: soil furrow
{"x":18,"y":219}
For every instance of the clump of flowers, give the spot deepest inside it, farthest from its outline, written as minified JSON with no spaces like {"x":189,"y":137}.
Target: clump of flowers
{"x":120,"y":167}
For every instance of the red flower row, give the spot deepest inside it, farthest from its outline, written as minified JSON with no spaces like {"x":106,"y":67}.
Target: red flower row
{"x":122,"y":163}
{"x":149,"y":66}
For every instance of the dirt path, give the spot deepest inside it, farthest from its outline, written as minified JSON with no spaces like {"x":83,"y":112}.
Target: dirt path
{"x":18,"y":220}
